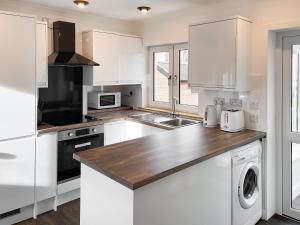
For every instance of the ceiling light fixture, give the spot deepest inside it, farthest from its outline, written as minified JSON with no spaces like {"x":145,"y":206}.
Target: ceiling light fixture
{"x":81,"y":3}
{"x":144,"y":9}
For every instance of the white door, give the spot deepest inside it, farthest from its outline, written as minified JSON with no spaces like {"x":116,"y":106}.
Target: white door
{"x":291,"y":126}
{"x":16,"y":174}
{"x":106,"y":52}
{"x":17,"y":76}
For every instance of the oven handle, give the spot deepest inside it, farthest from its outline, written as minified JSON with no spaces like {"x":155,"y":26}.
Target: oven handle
{"x":83,"y":145}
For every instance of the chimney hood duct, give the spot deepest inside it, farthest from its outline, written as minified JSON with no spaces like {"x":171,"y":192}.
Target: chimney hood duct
{"x":64,"y":47}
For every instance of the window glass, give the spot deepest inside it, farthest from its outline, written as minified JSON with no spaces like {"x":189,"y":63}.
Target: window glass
{"x":186,"y":97}
{"x":161,"y":73}
{"x":295,"y":176}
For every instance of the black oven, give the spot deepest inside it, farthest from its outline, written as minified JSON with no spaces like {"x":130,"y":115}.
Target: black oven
{"x":72,"y":141}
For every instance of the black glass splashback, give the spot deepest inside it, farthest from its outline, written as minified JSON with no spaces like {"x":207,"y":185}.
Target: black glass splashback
{"x":62,"y":100}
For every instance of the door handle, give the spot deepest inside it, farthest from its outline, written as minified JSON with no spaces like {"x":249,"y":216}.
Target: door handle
{"x":83,"y":145}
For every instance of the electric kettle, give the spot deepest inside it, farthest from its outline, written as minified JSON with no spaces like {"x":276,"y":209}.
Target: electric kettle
{"x":210,"y":116}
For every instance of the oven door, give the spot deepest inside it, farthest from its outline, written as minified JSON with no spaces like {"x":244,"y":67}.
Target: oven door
{"x":67,"y":167}
{"x":107,"y":101}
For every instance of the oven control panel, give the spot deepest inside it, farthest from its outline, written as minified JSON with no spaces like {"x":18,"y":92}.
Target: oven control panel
{"x":80,"y":132}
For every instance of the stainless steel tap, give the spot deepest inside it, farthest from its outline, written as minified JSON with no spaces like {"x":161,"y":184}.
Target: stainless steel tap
{"x":174,"y":114}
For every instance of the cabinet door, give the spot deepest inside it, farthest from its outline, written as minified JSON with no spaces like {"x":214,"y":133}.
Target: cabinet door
{"x":17,"y":76}
{"x":16,"y":174}
{"x":136,"y":130}
{"x":46,"y":166}
{"x":106,"y":53}
{"x":131,"y":60}
{"x":114,"y":132}
{"x":42,"y":55}
{"x":213,"y":54}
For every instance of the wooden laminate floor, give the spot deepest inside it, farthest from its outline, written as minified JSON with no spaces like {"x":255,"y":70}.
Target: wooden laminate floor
{"x":68,"y":214}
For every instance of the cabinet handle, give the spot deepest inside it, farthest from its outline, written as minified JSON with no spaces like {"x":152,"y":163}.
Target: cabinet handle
{"x":7,"y":156}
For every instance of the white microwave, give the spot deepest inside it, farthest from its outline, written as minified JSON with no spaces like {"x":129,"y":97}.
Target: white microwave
{"x":103,"y":100}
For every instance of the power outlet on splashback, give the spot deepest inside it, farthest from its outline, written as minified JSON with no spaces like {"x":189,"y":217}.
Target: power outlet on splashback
{"x":235,"y":102}
{"x":219,"y":101}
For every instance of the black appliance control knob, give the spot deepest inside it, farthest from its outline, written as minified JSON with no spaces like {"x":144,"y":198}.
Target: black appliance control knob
{"x":94,"y":130}
{"x":70,"y":134}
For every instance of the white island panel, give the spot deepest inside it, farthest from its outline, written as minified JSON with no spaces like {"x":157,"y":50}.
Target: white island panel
{"x":200,"y":194}
{"x":104,"y":201}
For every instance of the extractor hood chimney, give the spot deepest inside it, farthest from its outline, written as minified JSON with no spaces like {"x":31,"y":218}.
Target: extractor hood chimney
{"x":64,"y":47}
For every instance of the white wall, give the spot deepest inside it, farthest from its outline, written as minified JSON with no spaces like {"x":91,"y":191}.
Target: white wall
{"x":267,"y":15}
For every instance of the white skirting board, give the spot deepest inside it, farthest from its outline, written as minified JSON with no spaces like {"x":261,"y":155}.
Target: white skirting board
{"x":197,"y":195}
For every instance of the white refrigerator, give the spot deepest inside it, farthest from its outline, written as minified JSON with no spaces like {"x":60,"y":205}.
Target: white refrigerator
{"x":17,"y":110}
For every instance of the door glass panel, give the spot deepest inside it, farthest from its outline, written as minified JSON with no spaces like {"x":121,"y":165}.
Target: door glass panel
{"x":296,"y":89}
{"x":161,"y":75}
{"x":250,"y":183}
{"x":186,"y":97}
{"x":296,"y":176}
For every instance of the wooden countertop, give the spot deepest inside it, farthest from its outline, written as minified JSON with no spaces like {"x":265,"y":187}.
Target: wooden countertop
{"x":138,"y":162}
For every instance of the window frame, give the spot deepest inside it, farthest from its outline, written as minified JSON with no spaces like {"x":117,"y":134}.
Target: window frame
{"x":176,"y":88}
{"x":152,"y":51}
{"x":174,"y":84}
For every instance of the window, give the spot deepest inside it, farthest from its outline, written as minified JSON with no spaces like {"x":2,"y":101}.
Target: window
{"x":169,"y":78}
{"x":161,"y":77}
{"x":186,"y":97}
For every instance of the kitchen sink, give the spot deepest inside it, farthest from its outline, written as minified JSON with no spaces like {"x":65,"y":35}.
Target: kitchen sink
{"x":151,"y":118}
{"x":164,"y":120}
{"x":178,"y":122}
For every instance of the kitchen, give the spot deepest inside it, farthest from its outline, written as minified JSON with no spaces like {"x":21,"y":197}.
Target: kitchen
{"x":126,"y":90}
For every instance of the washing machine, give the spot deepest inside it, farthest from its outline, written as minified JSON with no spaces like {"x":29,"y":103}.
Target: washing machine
{"x":246,"y":184}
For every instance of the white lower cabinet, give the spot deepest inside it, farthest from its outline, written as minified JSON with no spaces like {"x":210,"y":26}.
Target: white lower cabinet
{"x":46,"y":166}
{"x":125,"y":130}
{"x":17,"y":159}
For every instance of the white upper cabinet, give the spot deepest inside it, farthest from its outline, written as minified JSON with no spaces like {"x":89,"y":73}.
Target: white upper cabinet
{"x":220,"y":54}
{"x":17,"y":75}
{"x":120,"y":57}
{"x":41,"y":55}
{"x":131,"y":60}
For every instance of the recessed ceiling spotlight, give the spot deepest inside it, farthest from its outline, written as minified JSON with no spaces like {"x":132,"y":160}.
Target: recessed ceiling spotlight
{"x":144,"y":9}
{"x":81,"y":3}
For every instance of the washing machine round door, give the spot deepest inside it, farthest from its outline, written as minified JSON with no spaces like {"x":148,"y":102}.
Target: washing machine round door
{"x":248,"y":186}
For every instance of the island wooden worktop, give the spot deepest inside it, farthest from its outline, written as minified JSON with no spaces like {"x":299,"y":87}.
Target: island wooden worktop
{"x":138,"y":162}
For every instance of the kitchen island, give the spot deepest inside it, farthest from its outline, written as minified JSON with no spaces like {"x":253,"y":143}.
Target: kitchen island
{"x":177,"y":177}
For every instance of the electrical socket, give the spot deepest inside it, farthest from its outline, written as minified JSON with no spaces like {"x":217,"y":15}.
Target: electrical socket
{"x":254,"y":118}
{"x":219,"y":101}
{"x":236,"y":102}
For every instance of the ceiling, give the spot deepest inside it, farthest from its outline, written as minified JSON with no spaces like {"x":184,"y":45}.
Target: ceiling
{"x":124,"y":9}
